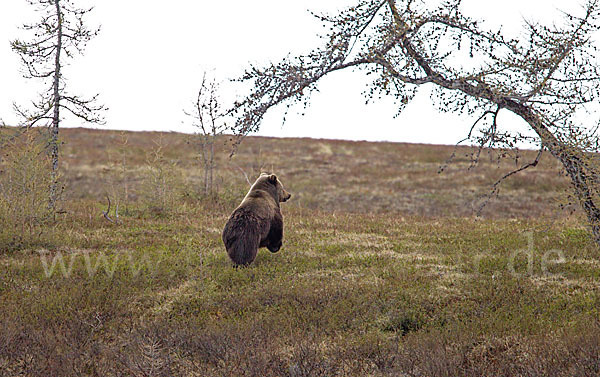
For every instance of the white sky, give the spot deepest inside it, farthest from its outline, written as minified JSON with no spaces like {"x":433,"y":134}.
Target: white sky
{"x":148,"y":61}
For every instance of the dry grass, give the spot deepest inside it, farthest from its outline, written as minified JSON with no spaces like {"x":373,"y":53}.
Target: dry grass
{"x":331,"y":175}
{"x":25,"y":216}
{"x":384,"y":270}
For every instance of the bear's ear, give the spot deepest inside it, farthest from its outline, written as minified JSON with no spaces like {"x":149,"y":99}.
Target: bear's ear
{"x":273,"y":178}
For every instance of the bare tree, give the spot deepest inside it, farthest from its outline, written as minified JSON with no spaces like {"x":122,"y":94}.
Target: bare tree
{"x":208,"y":117}
{"x":549,"y":76}
{"x":60,"y":34}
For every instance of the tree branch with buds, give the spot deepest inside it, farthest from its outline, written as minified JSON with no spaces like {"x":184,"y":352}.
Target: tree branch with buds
{"x":547,"y":77}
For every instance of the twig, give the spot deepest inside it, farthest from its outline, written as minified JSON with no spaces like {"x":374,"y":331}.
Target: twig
{"x":495,"y":187}
{"x":453,"y":155}
{"x":245,"y":175}
{"x":105,"y":213}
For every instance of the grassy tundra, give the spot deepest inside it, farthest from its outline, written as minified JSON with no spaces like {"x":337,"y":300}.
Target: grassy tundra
{"x":384,"y":270}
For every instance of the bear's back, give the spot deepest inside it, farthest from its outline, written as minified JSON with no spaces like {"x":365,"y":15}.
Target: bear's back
{"x":260,"y":203}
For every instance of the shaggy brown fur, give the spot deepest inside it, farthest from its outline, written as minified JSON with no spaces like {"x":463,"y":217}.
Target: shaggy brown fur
{"x":257,"y":221}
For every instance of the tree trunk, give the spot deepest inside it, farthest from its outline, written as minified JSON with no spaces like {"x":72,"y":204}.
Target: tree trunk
{"x":206,"y":168}
{"x":571,"y":161}
{"x":576,"y":170}
{"x":212,"y":162}
{"x":56,"y":116}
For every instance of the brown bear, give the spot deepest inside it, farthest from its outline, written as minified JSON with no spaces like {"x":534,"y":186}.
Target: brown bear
{"x":257,"y":221}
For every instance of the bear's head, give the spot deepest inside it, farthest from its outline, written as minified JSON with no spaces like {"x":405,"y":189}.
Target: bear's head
{"x":280,"y":193}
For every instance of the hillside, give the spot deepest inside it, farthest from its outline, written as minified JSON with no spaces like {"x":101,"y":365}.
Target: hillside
{"x":384,"y":271}
{"x":331,"y":175}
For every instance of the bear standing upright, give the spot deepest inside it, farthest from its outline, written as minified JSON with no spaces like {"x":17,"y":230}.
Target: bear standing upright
{"x":257,"y":221}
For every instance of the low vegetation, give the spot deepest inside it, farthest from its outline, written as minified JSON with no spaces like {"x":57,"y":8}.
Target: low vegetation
{"x":385,"y":269}
{"x":25,"y":212}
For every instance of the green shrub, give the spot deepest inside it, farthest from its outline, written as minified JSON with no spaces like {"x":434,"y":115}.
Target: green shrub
{"x":163,"y":185}
{"x":25,"y":182}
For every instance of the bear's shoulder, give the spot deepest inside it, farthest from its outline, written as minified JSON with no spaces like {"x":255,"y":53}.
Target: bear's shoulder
{"x":260,"y":203}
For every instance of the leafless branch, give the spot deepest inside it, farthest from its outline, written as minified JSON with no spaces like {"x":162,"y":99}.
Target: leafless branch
{"x":468,"y":137}
{"x":545,"y":77}
{"x":245,"y":175}
{"x":496,"y":186}
{"x":208,"y":117}
{"x":107,"y":212}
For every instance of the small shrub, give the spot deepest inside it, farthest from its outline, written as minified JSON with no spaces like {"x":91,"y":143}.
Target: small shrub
{"x":162,"y":185}
{"x":223,"y":199}
{"x":403,"y":323}
{"x":24,"y":192}
{"x":118,"y":175}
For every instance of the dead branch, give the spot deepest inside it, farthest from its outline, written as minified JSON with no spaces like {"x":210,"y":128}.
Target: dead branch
{"x":245,"y":175}
{"x":496,"y":186}
{"x":107,"y":212}
{"x":469,"y":136}
{"x":208,"y":117}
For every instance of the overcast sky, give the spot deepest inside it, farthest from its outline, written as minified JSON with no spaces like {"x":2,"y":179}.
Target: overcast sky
{"x":148,"y":61}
